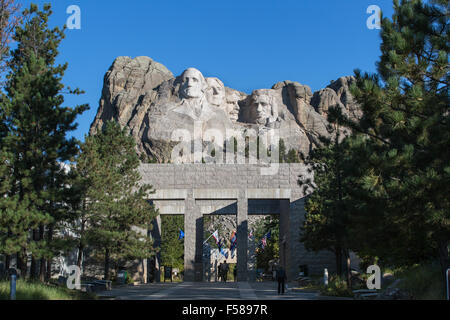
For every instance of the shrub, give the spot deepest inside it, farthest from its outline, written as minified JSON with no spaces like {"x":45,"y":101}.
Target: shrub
{"x":337,"y":287}
{"x":422,"y":282}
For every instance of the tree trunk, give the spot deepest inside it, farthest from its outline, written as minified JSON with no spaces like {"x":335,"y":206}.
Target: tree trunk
{"x":106,"y":263}
{"x":7,"y":262}
{"x":48,"y":273}
{"x":338,"y":254}
{"x":22,"y":263}
{"x":42,"y":262}
{"x":80,"y":255}
{"x":349,"y":270}
{"x":7,"y":266}
{"x":33,"y":268}
{"x":80,"y":246}
{"x":444,"y":262}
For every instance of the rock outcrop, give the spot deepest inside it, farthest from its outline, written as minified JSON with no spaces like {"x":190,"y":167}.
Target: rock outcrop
{"x":160,"y":109}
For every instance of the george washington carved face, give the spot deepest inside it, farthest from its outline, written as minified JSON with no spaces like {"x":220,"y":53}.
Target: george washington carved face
{"x":193,"y":84}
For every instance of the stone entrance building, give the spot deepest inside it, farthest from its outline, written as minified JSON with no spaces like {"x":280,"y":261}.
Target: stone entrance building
{"x":194,"y":190}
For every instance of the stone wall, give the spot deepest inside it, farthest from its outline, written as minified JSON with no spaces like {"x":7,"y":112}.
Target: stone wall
{"x":217,"y":188}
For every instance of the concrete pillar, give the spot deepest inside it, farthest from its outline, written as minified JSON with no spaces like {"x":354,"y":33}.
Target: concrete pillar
{"x":285,"y":239}
{"x":242,"y":236}
{"x":193,"y":240}
{"x":251,"y":263}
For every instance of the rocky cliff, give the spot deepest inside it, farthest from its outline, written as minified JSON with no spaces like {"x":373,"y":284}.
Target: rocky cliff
{"x":146,"y":97}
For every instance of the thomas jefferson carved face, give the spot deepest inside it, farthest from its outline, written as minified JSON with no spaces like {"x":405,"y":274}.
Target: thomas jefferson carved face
{"x":192,"y":84}
{"x":263,"y":110}
{"x":216,"y":91}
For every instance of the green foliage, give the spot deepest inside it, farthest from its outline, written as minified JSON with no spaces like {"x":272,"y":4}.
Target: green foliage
{"x":272,"y":250}
{"x":421,"y":281}
{"x":291,"y":156}
{"x":39,"y":291}
{"x":115,"y":214}
{"x":34,"y":126}
{"x":395,"y":168}
{"x":401,"y":142}
{"x":337,"y":287}
{"x":172,"y":249}
{"x":326,"y":225}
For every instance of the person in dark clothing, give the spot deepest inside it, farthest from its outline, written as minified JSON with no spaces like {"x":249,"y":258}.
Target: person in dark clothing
{"x":281,"y":278}
{"x":220,"y":271}
{"x":225,"y":272}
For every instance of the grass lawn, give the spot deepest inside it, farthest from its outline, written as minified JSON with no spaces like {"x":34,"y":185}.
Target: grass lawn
{"x":26,"y":290}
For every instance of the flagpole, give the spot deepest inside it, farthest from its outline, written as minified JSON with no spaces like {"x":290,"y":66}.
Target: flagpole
{"x":208,"y":238}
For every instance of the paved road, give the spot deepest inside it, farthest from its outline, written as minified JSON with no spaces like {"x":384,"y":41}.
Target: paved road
{"x":207,"y":291}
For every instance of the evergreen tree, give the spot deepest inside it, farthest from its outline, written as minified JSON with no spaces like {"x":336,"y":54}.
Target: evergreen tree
{"x":282,"y":151}
{"x":172,"y":248}
{"x":326,"y":225}
{"x":403,"y":215}
{"x":38,"y":124}
{"x":9,"y":20}
{"x":292,"y":156}
{"x":272,"y":249}
{"x":114,"y":215}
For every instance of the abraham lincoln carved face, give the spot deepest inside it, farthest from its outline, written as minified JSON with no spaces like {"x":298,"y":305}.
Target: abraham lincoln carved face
{"x":263,"y":109}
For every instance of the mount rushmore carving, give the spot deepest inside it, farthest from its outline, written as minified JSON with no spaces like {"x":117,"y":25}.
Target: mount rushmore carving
{"x":144,"y":96}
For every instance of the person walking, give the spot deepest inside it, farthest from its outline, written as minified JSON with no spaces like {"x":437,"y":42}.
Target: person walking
{"x":220,"y":272}
{"x":281,"y":278}
{"x":225,"y":272}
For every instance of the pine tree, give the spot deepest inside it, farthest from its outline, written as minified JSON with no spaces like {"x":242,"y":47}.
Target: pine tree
{"x":326,"y":224}
{"x":114,"y":215}
{"x":172,"y":248}
{"x":9,"y":20}
{"x":405,"y":139}
{"x":38,"y":126}
{"x":292,"y":156}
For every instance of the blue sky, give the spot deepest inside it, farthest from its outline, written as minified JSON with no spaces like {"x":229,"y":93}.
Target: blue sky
{"x":247,"y":44}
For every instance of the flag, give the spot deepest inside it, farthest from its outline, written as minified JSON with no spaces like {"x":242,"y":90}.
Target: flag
{"x":216,"y":236}
{"x":223,"y":252}
{"x":233,"y":240}
{"x":263,"y":241}
{"x":233,"y":243}
{"x":268,"y":235}
{"x":181,"y":236}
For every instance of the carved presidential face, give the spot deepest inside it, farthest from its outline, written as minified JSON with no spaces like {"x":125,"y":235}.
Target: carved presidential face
{"x":216,"y":92}
{"x":192,"y":84}
{"x":234,"y":113}
{"x":263,"y":110}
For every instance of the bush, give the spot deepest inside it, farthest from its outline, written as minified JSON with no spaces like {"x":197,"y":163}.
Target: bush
{"x":337,"y":287}
{"x":423,"y":282}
